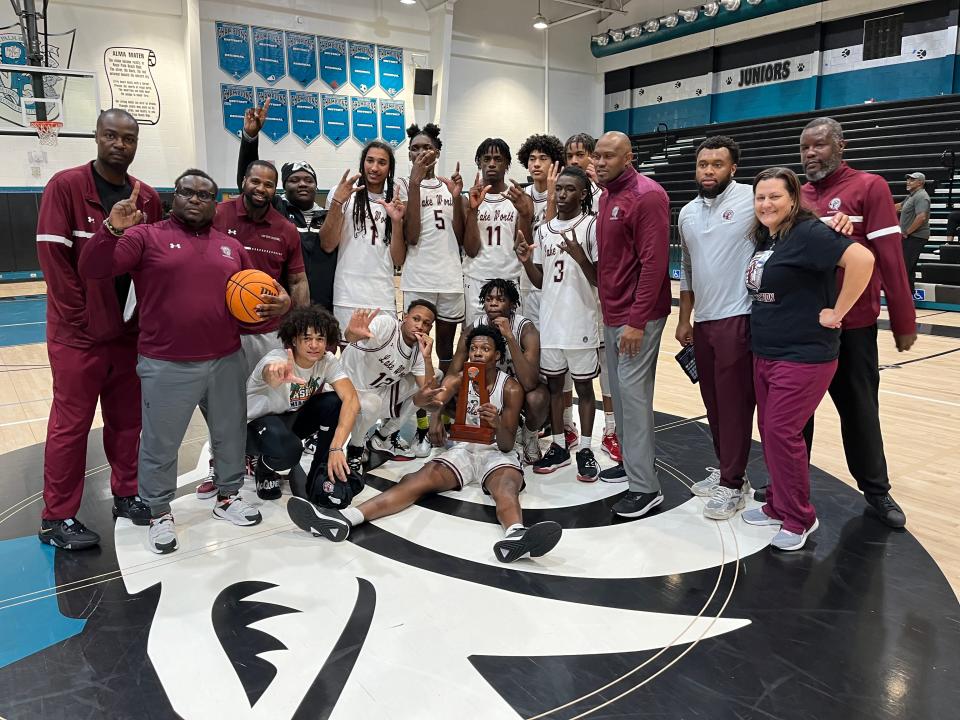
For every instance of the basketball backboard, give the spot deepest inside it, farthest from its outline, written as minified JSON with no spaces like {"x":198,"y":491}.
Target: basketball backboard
{"x":68,"y":96}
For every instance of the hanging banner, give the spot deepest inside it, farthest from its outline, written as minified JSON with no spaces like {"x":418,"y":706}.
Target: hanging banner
{"x":277,"y":125}
{"x":333,"y":61}
{"x":390,"y":69}
{"x":361,"y":65}
{"x":392,"y":122}
{"x":302,"y":57}
{"x":336,"y":118}
{"x":235,"y":100}
{"x":268,"y":53}
{"x":305,"y":115}
{"x":233,"y":49}
{"x":363,"y":118}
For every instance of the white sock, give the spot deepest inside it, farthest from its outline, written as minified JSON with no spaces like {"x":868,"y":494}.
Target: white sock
{"x":353,"y":515}
{"x":560,"y":440}
{"x":609,"y":423}
{"x":568,"y":416}
{"x":586,"y":441}
{"x":515,"y":526}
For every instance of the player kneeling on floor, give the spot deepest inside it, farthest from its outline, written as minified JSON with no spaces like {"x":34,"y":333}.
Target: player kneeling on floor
{"x":495,"y":467}
{"x":285,"y":405}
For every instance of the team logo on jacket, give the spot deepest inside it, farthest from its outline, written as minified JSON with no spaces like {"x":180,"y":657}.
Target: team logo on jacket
{"x":227,"y":252}
{"x":727,"y":215}
{"x":231,"y":231}
{"x":615,"y":213}
{"x":834,"y":204}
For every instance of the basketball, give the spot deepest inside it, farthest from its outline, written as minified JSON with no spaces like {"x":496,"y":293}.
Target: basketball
{"x":243,"y":294}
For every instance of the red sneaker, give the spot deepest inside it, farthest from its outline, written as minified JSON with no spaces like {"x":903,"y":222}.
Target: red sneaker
{"x":207,"y":489}
{"x":572,"y":436}
{"x":611,"y":446}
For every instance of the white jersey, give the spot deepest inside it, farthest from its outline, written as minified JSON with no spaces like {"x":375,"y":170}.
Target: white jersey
{"x":539,"y":212}
{"x":382,"y":359}
{"x":596,"y":191}
{"x":473,"y":402}
{"x":433,"y":264}
{"x":364,"y":276}
{"x":497,"y":219}
{"x":569,"y":310}
{"x":518,"y":323}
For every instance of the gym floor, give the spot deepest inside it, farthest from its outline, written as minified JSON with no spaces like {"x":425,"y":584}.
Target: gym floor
{"x":413,"y":618}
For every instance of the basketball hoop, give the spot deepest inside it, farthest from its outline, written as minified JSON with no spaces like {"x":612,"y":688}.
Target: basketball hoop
{"x":47,"y":130}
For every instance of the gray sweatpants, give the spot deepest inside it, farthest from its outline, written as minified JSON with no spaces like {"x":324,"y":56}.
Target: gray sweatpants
{"x":631,"y":387}
{"x":171,"y":391}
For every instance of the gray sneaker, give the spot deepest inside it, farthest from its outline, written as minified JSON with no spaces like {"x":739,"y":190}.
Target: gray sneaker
{"x":756,"y":516}
{"x":705,"y":487}
{"x":237,"y":510}
{"x":724,"y":503}
{"x":787,"y":541}
{"x":162,"y":535}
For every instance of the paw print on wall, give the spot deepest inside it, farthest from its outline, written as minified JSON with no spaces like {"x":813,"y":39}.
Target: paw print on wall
{"x":699,"y":91}
{"x":729,"y":81}
{"x":676,"y":84}
{"x":800,"y":67}
{"x":845,"y":53}
{"x":921,"y":54}
{"x":616,"y":106}
{"x":640,"y":91}
{"x":659,"y":98}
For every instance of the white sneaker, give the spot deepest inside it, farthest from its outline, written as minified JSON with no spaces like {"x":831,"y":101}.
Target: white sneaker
{"x":162,"y":535}
{"x":705,"y":487}
{"x":422,"y":448}
{"x":394,"y":446}
{"x":787,"y":541}
{"x":724,"y":503}
{"x":756,"y":516}
{"x":530,"y":442}
{"x":237,"y":510}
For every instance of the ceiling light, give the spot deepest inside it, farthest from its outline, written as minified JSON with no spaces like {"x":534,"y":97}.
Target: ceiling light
{"x":651,"y":25}
{"x":690,"y":14}
{"x":634,"y":31}
{"x":540,"y":22}
{"x":601,"y":40}
{"x":617,"y":35}
{"x":408,"y":2}
{"x":669,"y":20}
{"x":711,"y":8}
{"x":730,"y":5}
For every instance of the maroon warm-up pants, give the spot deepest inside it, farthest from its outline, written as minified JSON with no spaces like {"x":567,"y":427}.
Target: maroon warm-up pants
{"x":108,"y":372}
{"x":788,"y":393}
{"x":725,"y":368}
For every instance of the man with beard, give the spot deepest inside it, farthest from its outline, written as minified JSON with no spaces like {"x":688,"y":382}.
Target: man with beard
{"x":298,"y":204}
{"x":834,"y":187}
{"x":91,"y":340}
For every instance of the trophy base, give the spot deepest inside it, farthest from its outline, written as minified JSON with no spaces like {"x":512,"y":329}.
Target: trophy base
{"x":472,"y":433}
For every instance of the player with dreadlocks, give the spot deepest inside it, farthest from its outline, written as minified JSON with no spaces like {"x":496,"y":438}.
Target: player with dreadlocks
{"x":562,"y":261}
{"x":365,"y":221}
{"x":495,"y":213}
{"x":579,"y":151}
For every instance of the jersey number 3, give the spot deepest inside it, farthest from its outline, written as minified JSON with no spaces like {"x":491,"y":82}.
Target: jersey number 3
{"x":558,"y":271}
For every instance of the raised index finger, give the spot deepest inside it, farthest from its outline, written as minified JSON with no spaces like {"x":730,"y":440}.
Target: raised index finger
{"x":136,"y":193}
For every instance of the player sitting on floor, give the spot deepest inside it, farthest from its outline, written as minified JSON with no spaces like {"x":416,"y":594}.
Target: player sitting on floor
{"x":500,"y":300}
{"x":285,"y":405}
{"x":495,"y":467}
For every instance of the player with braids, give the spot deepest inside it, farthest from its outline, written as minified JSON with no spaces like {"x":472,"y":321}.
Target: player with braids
{"x":365,"y":221}
{"x":578,"y":150}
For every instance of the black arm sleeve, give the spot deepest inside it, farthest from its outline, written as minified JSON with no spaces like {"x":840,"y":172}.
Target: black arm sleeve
{"x":249,"y":151}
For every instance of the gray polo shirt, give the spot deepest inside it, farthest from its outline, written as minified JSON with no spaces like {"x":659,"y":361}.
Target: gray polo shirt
{"x":916,"y":202}
{"x":716,"y":249}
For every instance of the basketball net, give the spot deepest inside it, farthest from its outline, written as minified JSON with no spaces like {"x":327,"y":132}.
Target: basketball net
{"x":47,"y":130}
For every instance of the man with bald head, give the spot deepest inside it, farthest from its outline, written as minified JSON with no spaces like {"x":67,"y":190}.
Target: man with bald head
{"x":633,"y":238}
{"x":91,"y":336}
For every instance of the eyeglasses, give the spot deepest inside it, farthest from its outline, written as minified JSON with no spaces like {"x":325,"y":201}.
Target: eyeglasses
{"x":201,"y":195}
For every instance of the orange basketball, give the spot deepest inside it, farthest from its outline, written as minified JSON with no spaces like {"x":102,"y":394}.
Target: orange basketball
{"x":243,"y":294}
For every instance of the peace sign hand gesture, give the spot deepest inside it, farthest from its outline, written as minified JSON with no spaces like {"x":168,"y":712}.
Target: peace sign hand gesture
{"x":346,"y":187}
{"x":521,"y":201}
{"x":454,"y":183}
{"x":124,"y":214}
{"x":478,"y":193}
{"x":572,"y":247}
{"x":254,"y":118}
{"x":395,"y":209}
{"x":553,"y":172}
{"x":523,"y":250}
{"x":281,"y":372}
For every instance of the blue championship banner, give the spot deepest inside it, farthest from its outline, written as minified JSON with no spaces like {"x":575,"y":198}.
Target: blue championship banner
{"x":336,"y":118}
{"x":233,"y":49}
{"x":362,"y":75}
{"x":305,"y":115}
{"x":363,"y":117}
{"x":268,"y":53}
{"x":302,"y":57}
{"x":390,"y":69}
{"x":333,"y":61}
{"x":277,"y":125}
{"x":392,"y":122}
{"x":235,"y":100}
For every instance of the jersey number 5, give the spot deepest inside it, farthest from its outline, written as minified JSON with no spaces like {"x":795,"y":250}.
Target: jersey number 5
{"x":438,"y":217}
{"x":558,"y":271}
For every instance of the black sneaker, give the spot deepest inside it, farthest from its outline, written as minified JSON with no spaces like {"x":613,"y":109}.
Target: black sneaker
{"x":614,"y":474}
{"x":587,"y":469}
{"x":132,"y":508}
{"x":760,"y":494}
{"x":267,"y":481}
{"x":534,"y":541}
{"x":886,"y":507}
{"x":355,"y":459}
{"x":556,"y":458}
{"x":310,"y":445}
{"x":635,"y":504}
{"x":319,"y":522}
{"x":69,"y":534}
